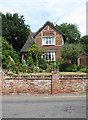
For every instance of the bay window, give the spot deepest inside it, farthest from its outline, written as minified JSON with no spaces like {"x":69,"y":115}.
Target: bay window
{"x":50,"y":56}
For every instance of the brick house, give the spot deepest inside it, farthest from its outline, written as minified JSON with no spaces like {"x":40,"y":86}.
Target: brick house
{"x":48,"y":37}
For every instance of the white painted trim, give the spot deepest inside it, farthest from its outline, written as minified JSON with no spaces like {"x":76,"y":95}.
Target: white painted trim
{"x":48,"y":30}
{"x":52,"y":38}
{"x":49,"y":36}
{"x":51,"y":52}
{"x":62,"y":41}
{"x":48,"y":27}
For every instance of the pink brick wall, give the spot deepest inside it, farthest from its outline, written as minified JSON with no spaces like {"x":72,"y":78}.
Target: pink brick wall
{"x":50,"y":84}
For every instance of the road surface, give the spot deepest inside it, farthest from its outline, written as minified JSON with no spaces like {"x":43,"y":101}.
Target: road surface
{"x":44,"y":107}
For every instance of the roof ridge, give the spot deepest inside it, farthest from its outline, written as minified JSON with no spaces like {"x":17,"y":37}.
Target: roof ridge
{"x":51,"y":24}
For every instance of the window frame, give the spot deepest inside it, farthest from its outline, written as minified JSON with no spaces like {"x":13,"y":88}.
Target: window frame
{"x":46,"y":41}
{"x":49,"y":56}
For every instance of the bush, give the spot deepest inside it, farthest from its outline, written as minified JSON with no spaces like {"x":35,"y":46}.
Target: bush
{"x":35,"y":69}
{"x":43,"y":64}
{"x":80,"y":67}
{"x":63,"y":64}
{"x":84,"y":70}
{"x":41,"y":70}
{"x":69,"y":69}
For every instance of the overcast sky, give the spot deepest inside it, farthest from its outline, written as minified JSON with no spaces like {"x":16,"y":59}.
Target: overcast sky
{"x":37,"y":12}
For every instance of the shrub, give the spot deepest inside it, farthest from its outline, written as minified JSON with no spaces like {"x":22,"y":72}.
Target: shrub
{"x":63,"y":64}
{"x":41,"y":70}
{"x":74,"y":69}
{"x":30,"y":63}
{"x":43,"y":64}
{"x":35,"y":69}
{"x":80,"y":67}
{"x":84,"y":70}
{"x":69,"y":69}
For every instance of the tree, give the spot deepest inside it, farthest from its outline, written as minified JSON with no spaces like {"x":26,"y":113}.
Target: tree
{"x":7,"y":53}
{"x":35,"y":52}
{"x":15,"y":30}
{"x":84,"y":42}
{"x":70,"y":31}
{"x":71,"y":52}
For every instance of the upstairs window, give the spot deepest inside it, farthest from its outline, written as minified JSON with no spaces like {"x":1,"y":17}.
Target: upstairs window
{"x":48,"y":41}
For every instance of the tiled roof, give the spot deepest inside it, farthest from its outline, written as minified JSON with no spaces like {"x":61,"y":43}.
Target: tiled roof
{"x":28,"y":43}
{"x":31,"y":37}
{"x":50,"y":24}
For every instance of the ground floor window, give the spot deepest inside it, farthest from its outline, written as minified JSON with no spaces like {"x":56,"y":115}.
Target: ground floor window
{"x":50,"y":56}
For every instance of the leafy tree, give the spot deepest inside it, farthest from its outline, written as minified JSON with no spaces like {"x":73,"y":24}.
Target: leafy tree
{"x":84,"y":42}
{"x":15,"y":30}
{"x":71,"y":52}
{"x":70,"y":31}
{"x":7,"y":53}
{"x":35,"y":52}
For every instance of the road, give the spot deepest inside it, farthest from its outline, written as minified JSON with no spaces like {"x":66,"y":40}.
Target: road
{"x":44,"y":107}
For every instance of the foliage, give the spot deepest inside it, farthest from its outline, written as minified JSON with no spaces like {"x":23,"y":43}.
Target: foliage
{"x":68,"y":66}
{"x":84,"y":70}
{"x":51,"y":66}
{"x":80,"y":67}
{"x":63,"y":64}
{"x":19,"y":68}
{"x":15,"y":30}
{"x":70,"y":31}
{"x":72,"y":52}
{"x":35,"y":52}
{"x":41,"y":70}
{"x":35,"y":69}
{"x":30,"y":63}
{"x":43,"y":64}
{"x":84,"y":42}
{"x":7,"y":52}
{"x":69,"y":69}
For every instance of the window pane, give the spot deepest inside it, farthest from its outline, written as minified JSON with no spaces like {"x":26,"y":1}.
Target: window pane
{"x":49,"y":56}
{"x":44,"y":41}
{"x":53,"y":41}
{"x":49,"y":40}
{"x":46,"y":56}
{"x":53,"y":55}
{"x":43,"y":56}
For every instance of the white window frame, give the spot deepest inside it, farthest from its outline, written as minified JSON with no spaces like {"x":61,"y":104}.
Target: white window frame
{"x":47,"y":40}
{"x":46,"y":56}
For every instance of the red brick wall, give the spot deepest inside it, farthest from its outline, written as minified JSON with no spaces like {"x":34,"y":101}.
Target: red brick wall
{"x":51,"y":84}
{"x":49,"y":31}
{"x":29,"y":85}
{"x":68,"y":84}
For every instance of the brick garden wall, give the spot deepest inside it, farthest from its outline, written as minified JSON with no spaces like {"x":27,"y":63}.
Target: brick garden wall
{"x":44,"y":84}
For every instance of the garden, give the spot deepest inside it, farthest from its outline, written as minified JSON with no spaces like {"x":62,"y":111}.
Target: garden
{"x":34,"y":64}
{"x":14,"y":35}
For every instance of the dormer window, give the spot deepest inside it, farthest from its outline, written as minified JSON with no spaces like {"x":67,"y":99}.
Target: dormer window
{"x":48,"y":41}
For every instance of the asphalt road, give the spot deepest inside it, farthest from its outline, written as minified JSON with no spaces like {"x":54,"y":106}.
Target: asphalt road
{"x":44,"y":107}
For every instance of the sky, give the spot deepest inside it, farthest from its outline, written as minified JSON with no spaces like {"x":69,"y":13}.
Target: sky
{"x":38,"y":12}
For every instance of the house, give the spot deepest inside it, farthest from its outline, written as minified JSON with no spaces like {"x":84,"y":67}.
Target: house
{"x":83,"y":59}
{"x":48,"y":37}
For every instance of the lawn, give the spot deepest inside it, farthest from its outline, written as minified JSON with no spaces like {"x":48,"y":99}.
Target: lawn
{"x":61,"y":73}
